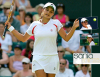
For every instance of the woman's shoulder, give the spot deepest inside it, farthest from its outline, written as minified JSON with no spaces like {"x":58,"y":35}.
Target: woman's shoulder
{"x":55,"y":20}
{"x":12,"y":57}
{"x":35,"y":22}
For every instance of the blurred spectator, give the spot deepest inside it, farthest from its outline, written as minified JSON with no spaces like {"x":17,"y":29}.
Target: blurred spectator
{"x":4,"y":1}
{"x":39,"y":11}
{"x":28,"y":50}
{"x":64,"y":72}
{"x":21,"y":16}
{"x":15,"y":63}
{"x":28,"y":21}
{"x":4,"y":71}
{"x":25,"y":3}
{"x":5,"y":7}
{"x":7,"y":41}
{"x":15,"y":23}
{"x":26,"y":72}
{"x":73,"y":45}
{"x":90,"y":70}
{"x":83,"y":72}
{"x":61,"y":16}
{"x":61,"y":53}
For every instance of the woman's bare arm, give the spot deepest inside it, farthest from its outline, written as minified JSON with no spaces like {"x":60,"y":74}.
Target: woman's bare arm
{"x":65,"y":36}
{"x":18,"y":35}
{"x":4,"y":59}
{"x":1,"y":2}
{"x":29,"y":5}
{"x":17,"y":74}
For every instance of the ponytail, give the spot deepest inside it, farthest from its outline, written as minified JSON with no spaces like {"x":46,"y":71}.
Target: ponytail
{"x":41,"y":17}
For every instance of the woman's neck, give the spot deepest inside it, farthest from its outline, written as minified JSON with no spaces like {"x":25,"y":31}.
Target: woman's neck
{"x":60,"y":57}
{"x":28,"y":23}
{"x":25,"y":69}
{"x":23,"y":1}
{"x":85,"y":72}
{"x":45,"y":20}
{"x":17,"y":56}
{"x":90,"y":41}
{"x":61,"y":14}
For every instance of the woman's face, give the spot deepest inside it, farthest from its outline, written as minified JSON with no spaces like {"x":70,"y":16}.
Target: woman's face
{"x":31,"y":44}
{"x":21,"y":11}
{"x":84,"y":67}
{"x":89,"y":39}
{"x":84,"y":24}
{"x":40,"y":9}
{"x":17,"y":51}
{"x":28,"y":19}
{"x":60,"y":53}
{"x":48,"y":12}
{"x":60,"y":10}
{"x":1,"y":28}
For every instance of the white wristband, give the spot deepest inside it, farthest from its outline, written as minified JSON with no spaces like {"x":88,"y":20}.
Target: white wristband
{"x":11,"y":29}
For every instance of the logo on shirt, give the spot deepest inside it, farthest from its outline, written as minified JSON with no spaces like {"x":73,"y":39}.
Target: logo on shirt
{"x":51,"y":30}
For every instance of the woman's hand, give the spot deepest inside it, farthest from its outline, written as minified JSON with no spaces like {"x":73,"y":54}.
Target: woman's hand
{"x":76,"y":23}
{"x":7,"y":23}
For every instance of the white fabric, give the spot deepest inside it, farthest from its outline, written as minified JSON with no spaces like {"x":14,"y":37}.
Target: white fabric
{"x":50,"y":64}
{"x":24,"y":28}
{"x":11,"y":29}
{"x":92,"y":43}
{"x":74,"y":42}
{"x":83,"y":19}
{"x":89,"y":36}
{"x":81,"y":74}
{"x":45,"y":37}
{"x":89,"y":27}
{"x":50,"y":4}
{"x":6,"y":42}
{"x":66,"y":73}
{"x":26,"y":60}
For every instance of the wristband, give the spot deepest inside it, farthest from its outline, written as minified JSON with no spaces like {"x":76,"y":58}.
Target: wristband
{"x":11,"y":29}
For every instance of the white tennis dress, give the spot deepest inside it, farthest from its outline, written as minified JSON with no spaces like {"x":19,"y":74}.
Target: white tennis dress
{"x":45,"y":48}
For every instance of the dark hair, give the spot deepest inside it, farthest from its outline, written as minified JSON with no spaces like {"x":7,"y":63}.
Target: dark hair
{"x":3,"y":23}
{"x":92,"y":39}
{"x":61,"y":5}
{"x":28,"y":47}
{"x":30,"y":15}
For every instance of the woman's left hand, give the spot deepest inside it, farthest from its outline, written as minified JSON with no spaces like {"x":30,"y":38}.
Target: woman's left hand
{"x":76,"y":23}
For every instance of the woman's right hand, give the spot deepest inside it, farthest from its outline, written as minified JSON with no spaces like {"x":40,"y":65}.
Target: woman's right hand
{"x":7,"y":24}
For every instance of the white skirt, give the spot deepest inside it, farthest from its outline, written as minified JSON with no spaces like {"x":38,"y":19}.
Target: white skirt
{"x":49,"y":63}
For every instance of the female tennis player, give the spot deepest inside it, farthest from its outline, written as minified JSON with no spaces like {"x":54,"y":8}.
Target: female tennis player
{"x":45,"y":58}
{"x":90,"y":40}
